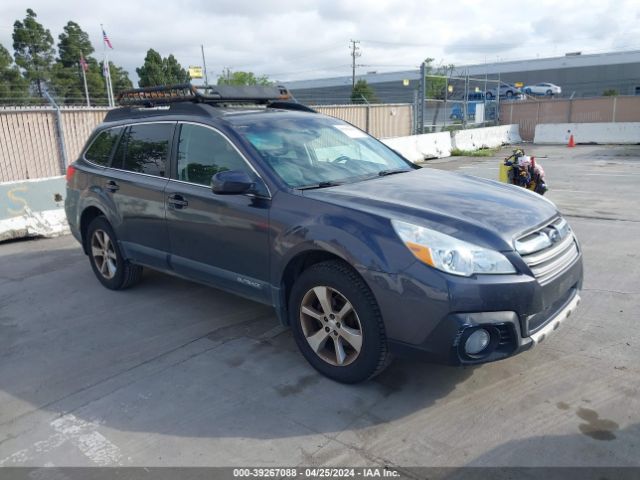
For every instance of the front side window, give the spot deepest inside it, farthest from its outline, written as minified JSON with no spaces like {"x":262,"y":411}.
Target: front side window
{"x":312,"y":149}
{"x":203,"y":152}
{"x":145,"y":148}
{"x":100,"y":150}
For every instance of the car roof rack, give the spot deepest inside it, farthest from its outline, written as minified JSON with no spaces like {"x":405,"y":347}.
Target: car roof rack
{"x":291,"y":106}
{"x":211,"y":94}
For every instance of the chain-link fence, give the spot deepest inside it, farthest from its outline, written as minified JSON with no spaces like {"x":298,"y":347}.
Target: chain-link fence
{"x":450,"y":102}
{"x":456,"y":102}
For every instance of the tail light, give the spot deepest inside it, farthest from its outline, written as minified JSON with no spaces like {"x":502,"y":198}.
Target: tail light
{"x":71,"y":171}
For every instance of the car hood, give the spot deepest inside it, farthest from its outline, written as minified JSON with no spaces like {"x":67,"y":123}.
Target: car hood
{"x":482,"y":211}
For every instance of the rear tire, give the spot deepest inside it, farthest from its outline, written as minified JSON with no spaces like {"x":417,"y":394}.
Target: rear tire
{"x":105,"y":256}
{"x":337,"y":324}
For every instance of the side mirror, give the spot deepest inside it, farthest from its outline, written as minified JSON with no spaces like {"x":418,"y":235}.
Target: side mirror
{"x":231,"y":182}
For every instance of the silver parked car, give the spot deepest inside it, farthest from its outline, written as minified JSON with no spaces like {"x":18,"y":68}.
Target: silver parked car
{"x":506,"y":90}
{"x":543,"y":89}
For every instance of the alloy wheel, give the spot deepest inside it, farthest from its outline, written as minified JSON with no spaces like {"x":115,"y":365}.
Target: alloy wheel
{"x":104,"y":254}
{"x":331,"y":325}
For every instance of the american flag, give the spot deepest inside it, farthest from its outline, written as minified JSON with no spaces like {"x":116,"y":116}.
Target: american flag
{"x":83,"y":63}
{"x":106,"y":39}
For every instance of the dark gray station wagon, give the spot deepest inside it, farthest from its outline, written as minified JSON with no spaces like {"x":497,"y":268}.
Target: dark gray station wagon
{"x":362,"y":253}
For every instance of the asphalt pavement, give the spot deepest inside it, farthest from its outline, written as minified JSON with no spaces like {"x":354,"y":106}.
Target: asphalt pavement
{"x":171,"y":373}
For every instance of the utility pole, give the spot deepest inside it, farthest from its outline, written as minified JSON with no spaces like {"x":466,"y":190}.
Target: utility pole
{"x":204,"y":67}
{"x":355,"y":53}
{"x":226,"y":75}
{"x":422,"y":90}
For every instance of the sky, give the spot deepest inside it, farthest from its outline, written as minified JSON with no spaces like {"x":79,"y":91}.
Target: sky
{"x":307,"y":39}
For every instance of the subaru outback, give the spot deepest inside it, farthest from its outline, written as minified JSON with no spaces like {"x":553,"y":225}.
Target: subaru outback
{"x":362,"y":253}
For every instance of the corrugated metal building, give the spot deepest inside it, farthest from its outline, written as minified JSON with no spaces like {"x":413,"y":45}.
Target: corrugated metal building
{"x":578,"y":75}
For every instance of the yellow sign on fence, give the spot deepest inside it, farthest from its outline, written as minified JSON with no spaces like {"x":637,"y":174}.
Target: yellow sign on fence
{"x":195,"y":72}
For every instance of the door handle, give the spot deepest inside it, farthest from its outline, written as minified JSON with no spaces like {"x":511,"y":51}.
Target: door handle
{"x":112,"y":186}
{"x":177,"y":200}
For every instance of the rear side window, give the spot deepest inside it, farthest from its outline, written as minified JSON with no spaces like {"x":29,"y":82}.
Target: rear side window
{"x":145,"y":148}
{"x":100,"y":150}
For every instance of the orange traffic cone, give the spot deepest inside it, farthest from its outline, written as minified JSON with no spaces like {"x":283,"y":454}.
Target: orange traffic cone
{"x":572,"y":142}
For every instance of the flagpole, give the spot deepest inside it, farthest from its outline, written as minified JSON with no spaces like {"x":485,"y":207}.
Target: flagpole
{"x":106,"y":71}
{"x":84,"y":79}
{"x":104,"y":64}
{"x":108,"y":78}
{"x":113,"y":101}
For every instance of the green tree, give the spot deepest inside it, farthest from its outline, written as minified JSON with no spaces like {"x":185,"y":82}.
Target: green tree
{"x":119,"y":78}
{"x":33,"y":46}
{"x":243,"y":78}
{"x":161,"y":71}
{"x":73,"y":42}
{"x":362,"y":92}
{"x":12,"y":85}
{"x":436,"y":81}
{"x":612,"y":92}
{"x":67,"y":71}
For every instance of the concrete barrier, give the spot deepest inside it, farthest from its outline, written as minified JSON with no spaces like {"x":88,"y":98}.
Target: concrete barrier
{"x":32,"y":208}
{"x":488,"y":137}
{"x":419,"y":148}
{"x":605,"y":133}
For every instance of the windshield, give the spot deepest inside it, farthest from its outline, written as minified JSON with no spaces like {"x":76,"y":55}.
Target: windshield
{"x":308,"y":151}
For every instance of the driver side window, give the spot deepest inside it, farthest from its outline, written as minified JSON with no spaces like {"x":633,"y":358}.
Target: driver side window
{"x":203,"y":152}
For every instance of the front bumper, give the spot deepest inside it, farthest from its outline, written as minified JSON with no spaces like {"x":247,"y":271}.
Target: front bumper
{"x":429,"y":315}
{"x":554,"y":322}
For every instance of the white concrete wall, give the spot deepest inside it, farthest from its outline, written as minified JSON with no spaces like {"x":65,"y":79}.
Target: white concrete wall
{"x":606,"y":133}
{"x":418,"y":148}
{"x":489,"y":137}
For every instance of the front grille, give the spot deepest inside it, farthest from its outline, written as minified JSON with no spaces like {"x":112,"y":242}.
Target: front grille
{"x":549,"y":251}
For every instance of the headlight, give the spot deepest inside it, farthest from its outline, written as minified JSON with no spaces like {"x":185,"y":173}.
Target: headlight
{"x":449,"y":254}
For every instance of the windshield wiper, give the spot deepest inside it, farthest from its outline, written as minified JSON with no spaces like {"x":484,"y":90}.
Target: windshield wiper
{"x":318,"y":185}
{"x":384,"y":173}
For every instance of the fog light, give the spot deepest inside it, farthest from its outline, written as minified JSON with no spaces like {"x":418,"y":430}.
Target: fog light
{"x":477,"y":341}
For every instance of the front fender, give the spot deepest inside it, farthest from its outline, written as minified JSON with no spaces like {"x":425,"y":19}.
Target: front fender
{"x":370,"y":244}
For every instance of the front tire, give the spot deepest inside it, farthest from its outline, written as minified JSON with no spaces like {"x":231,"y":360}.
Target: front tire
{"x":105,"y":256}
{"x":337,"y":324}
